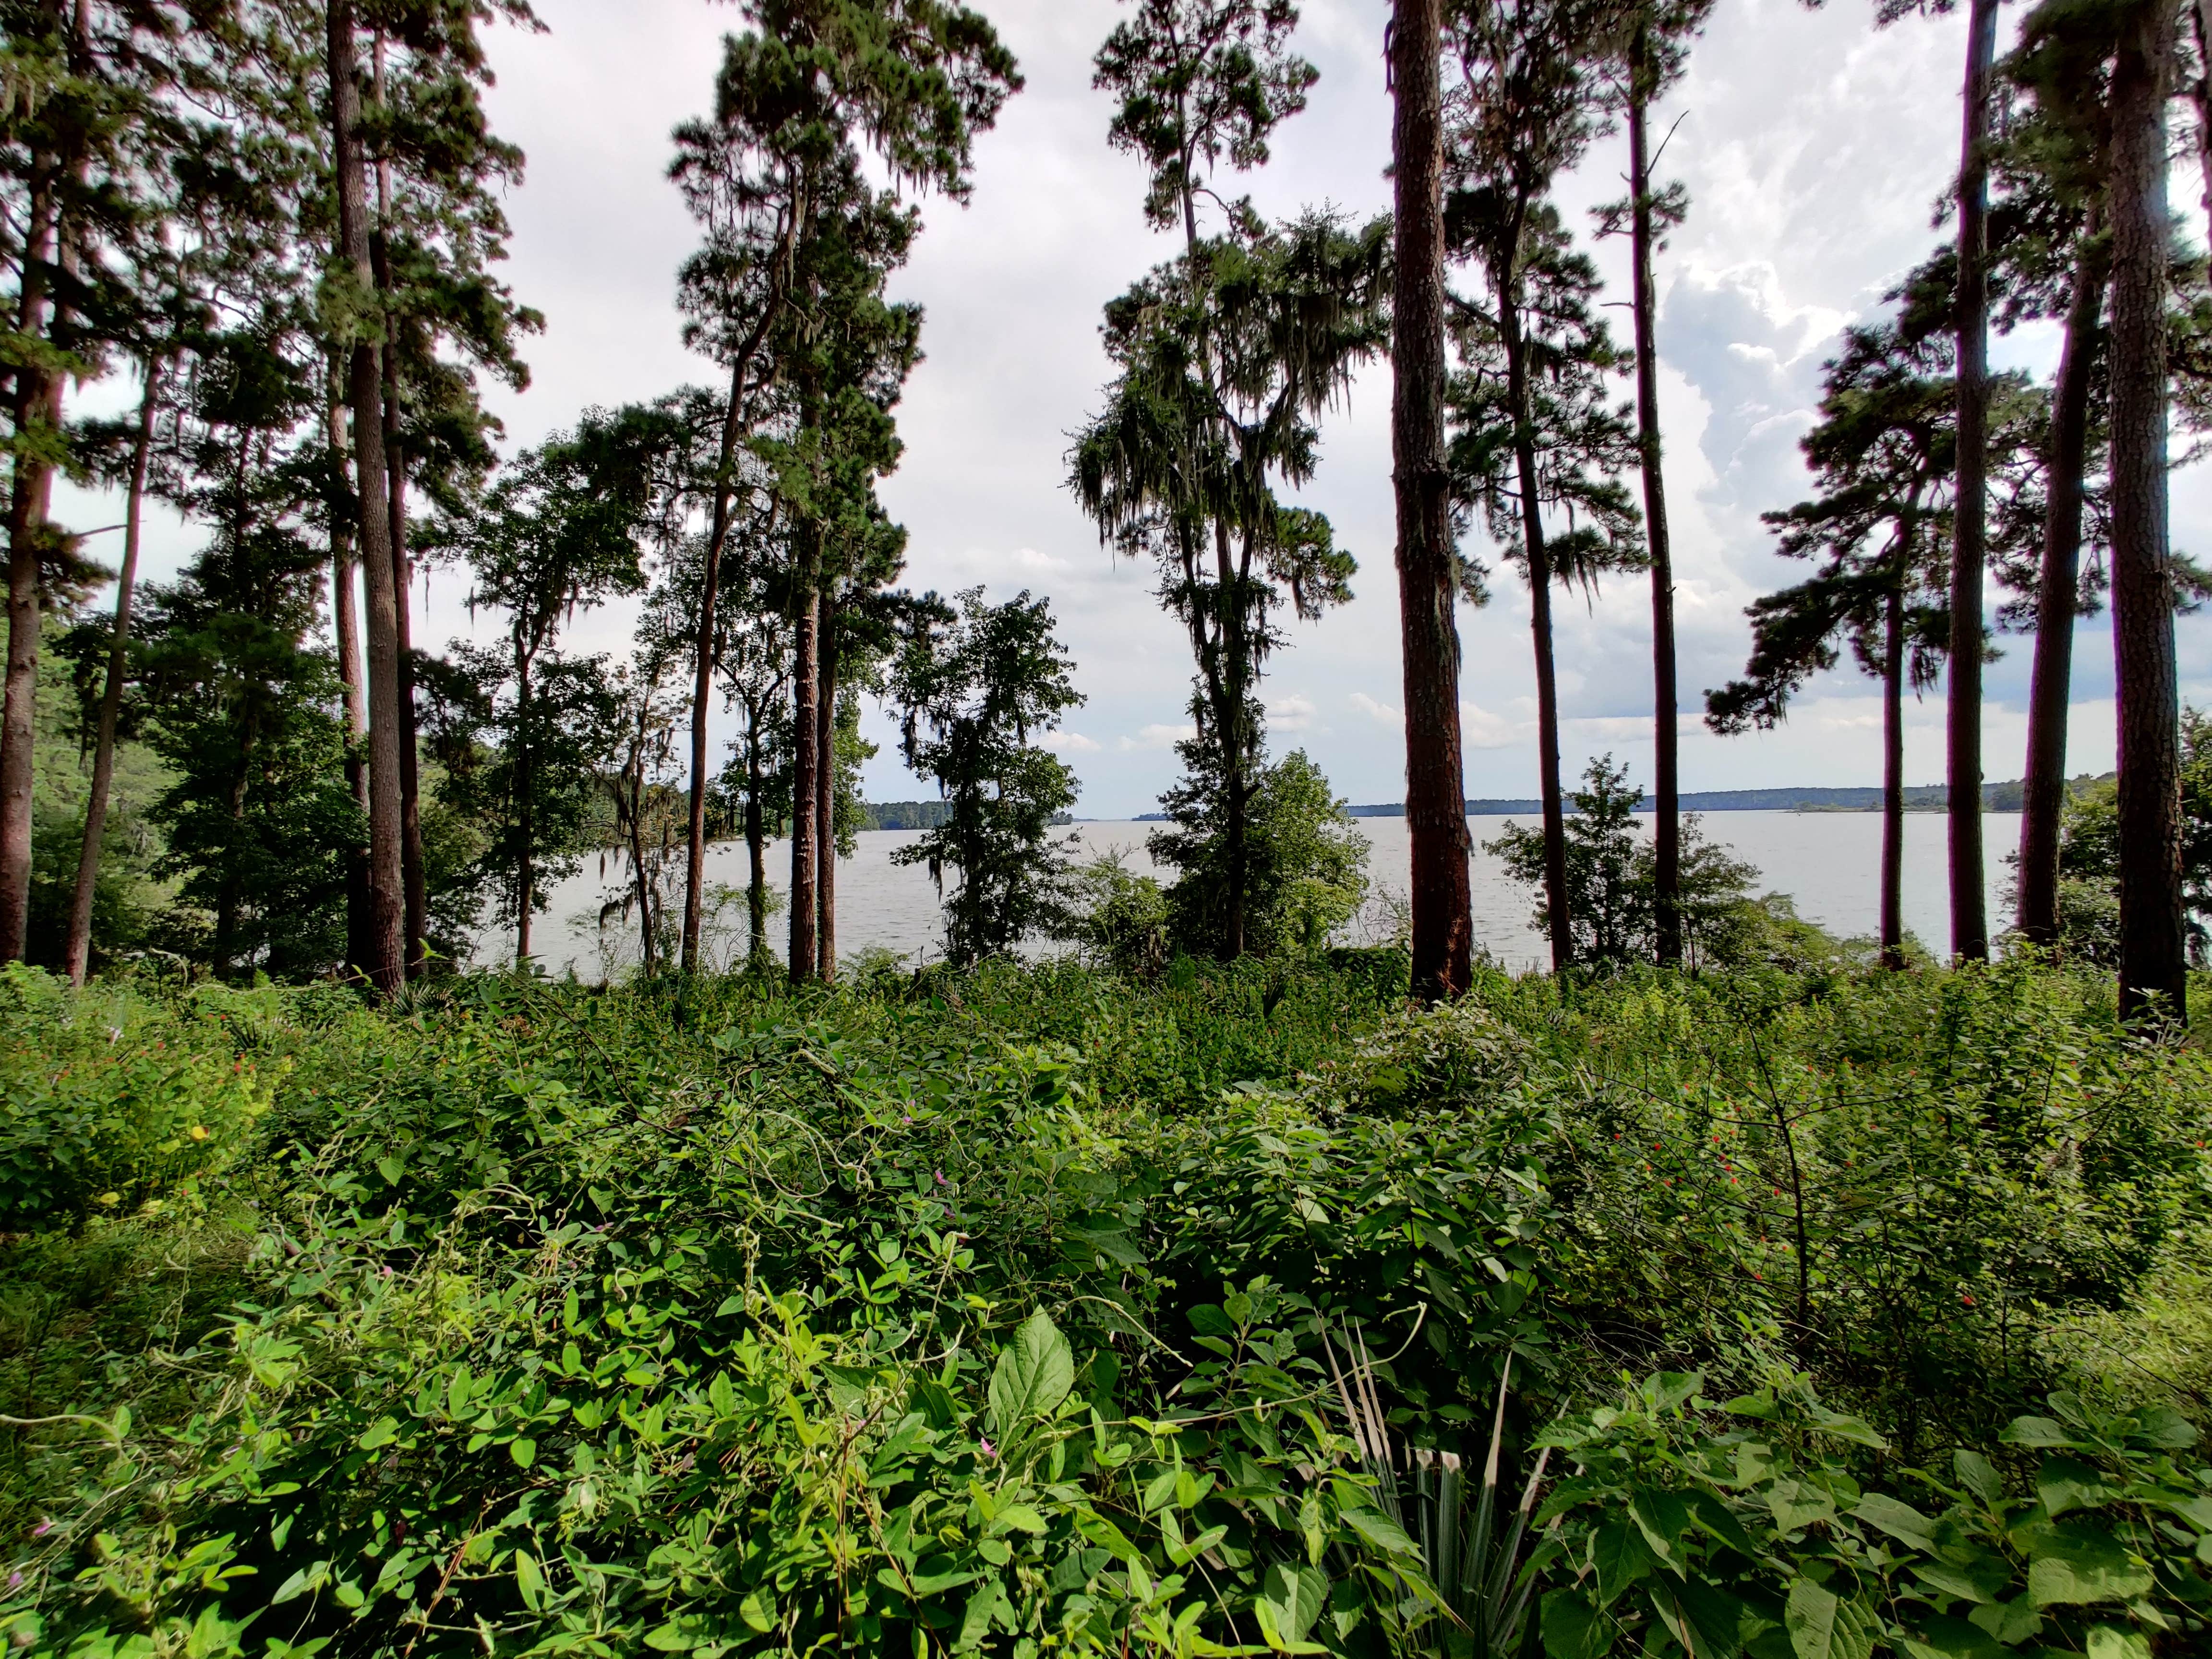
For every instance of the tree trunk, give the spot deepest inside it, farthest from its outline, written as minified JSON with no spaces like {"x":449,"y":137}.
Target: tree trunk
{"x":2153,"y":964}
{"x":346,"y":628}
{"x":2200,"y":94}
{"x":636,"y":837}
{"x":225,"y":947}
{"x":825,"y":792}
{"x":111,"y":694}
{"x":1893,"y":780}
{"x":526,"y":866}
{"x":703,"y":676}
{"x":2057,"y":592}
{"x":718,"y":536}
{"x":1540,"y":624}
{"x":417,"y":908}
{"x":387,"y":890}
{"x":1235,"y":750}
{"x":1969,"y":926}
{"x":1667,"y":830}
{"x":1436,"y":789}
{"x":415,"y":921}
{"x":805,"y":737}
{"x":36,"y":420}
{"x":756,"y":955}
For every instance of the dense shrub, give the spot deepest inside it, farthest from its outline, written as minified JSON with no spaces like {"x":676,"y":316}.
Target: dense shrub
{"x":695,"y":1317}
{"x":103,"y":1114}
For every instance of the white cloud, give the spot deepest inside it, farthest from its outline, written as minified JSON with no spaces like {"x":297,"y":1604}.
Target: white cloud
{"x":1068,"y":743}
{"x":1157,"y":737}
{"x":1382,"y":713}
{"x":1480,"y":729}
{"x":1293,"y":712}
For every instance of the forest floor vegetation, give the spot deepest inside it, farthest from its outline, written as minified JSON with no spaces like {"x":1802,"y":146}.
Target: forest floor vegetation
{"x":1041,"y":1309}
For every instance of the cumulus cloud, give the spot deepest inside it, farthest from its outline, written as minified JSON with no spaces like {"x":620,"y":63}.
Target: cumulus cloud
{"x":1382,"y":713}
{"x":1158,"y":736}
{"x":1068,"y":743}
{"x":1293,"y":712}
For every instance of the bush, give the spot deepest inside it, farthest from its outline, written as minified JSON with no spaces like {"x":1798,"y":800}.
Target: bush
{"x":2081,"y":1531}
{"x":102,"y":1115}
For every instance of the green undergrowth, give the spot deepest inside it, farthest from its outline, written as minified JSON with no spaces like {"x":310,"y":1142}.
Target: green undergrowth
{"x":1031,"y":1309}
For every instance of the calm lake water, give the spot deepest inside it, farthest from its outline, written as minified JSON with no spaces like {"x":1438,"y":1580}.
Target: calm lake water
{"x":1827,"y":862}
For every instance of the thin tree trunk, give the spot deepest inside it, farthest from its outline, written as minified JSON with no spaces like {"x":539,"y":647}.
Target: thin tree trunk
{"x":415,"y":920}
{"x":805,"y":757}
{"x":1540,"y":625}
{"x":757,"y":954}
{"x":1666,"y":836}
{"x":2153,"y":964}
{"x":387,"y":890}
{"x":346,"y":628}
{"x":526,"y":866}
{"x":2057,"y":590}
{"x":1893,"y":780}
{"x":636,"y":837}
{"x":226,"y":904}
{"x":1435,"y":788}
{"x":416,"y":908}
{"x":1969,"y":926}
{"x":35,"y":418}
{"x":2200,"y":94}
{"x":825,"y":792}
{"x":703,"y":680}
{"x":111,"y":694}
{"x":1235,"y":777}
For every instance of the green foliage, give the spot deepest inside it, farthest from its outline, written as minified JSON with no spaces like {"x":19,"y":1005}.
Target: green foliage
{"x":1305,"y":865}
{"x":1119,"y":918}
{"x":2089,"y":855}
{"x":972,"y":694}
{"x":2079,"y":1532}
{"x":99,"y":1117}
{"x":1019,"y":1306}
{"x":1612,"y":881}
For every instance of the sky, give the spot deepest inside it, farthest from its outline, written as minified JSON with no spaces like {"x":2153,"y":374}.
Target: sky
{"x":1814,"y":146}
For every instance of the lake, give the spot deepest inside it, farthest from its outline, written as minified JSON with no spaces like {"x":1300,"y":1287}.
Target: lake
{"x":1826,"y":862}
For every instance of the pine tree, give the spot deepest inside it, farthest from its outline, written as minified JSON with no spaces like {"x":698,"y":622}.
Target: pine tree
{"x":914,"y":80}
{"x":1657,"y":49}
{"x":1883,"y":455}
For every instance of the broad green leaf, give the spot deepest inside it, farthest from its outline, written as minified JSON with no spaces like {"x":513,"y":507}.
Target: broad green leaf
{"x":1841,"y":1427}
{"x":530,"y":1581}
{"x":1380,"y":1530}
{"x":1795,"y":1504}
{"x":667,"y":1639}
{"x":1822,"y":1627}
{"x":1899,"y":1519}
{"x":1290,"y":1600}
{"x":2036,"y":1432}
{"x":1953,"y":1638}
{"x":2073,"y":1562}
{"x":1034,"y":1374}
{"x":524,"y":1450}
{"x":1978,"y":1476}
{"x":2111,"y":1642}
{"x":1572,"y":1629}
{"x":1622,"y":1558}
{"x":758,"y":1611}
{"x":2009,"y":1622}
{"x":2067,"y":1483}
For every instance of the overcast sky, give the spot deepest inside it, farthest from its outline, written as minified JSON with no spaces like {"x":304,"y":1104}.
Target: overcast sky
{"x":1814,"y":148}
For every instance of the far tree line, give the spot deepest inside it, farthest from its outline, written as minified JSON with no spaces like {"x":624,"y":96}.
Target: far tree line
{"x":281,"y":217}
